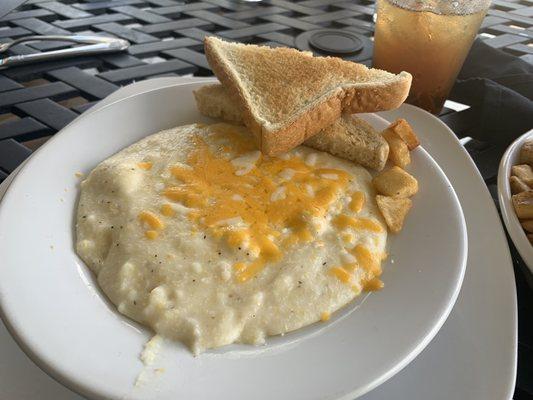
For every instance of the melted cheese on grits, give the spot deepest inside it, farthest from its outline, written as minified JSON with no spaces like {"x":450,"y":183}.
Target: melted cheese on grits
{"x":196,"y":234}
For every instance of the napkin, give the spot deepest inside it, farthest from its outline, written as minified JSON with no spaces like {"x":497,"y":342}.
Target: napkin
{"x":500,"y":86}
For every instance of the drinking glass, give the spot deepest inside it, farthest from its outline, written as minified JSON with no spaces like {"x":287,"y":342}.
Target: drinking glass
{"x":428,"y":38}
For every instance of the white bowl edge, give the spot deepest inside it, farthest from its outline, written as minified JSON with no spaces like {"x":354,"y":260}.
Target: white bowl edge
{"x":515,"y":230}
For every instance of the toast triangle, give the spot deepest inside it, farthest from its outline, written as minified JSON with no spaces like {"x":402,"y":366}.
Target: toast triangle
{"x":287,"y":96}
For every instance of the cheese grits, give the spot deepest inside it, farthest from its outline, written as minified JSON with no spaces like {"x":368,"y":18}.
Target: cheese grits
{"x":196,"y":234}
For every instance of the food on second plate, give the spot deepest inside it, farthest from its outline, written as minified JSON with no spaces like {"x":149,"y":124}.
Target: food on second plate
{"x":195,"y":233}
{"x":521,"y":183}
{"x":523,"y":204}
{"x":287,"y":96}
{"x":527,"y":225}
{"x":526,"y":153}
{"x":517,"y":185}
{"x":523,"y":172}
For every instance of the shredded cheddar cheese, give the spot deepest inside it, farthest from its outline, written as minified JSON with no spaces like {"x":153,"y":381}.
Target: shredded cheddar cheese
{"x":151,"y":234}
{"x":325,"y":316}
{"x":210,"y":187}
{"x":151,"y":219}
{"x":347,"y":237}
{"x":145,"y":165}
{"x":344,"y":221}
{"x":167,"y":210}
{"x":357,"y":202}
{"x":374,"y":284}
{"x":368,"y":262}
{"x":371,"y":264}
{"x":341,"y":274}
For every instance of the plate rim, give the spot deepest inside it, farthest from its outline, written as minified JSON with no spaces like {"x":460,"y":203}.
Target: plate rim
{"x":74,"y":385}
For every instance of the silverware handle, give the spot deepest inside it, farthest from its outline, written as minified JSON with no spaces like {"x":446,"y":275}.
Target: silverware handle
{"x":109,"y":46}
{"x":83,"y":39}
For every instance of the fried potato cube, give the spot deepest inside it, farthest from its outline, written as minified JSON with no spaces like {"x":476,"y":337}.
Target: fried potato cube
{"x":523,"y":204}
{"x":517,"y":185}
{"x":394,"y":211}
{"x":527,"y":225}
{"x":523,"y":172}
{"x":405,"y":132}
{"x":526,"y":153}
{"x":398,"y":150}
{"x":395,"y":182}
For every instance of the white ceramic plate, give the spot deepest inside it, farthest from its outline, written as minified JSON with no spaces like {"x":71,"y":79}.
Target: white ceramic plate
{"x":474,"y":354}
{"x":512,"y":157}
{"x":51,"y":305}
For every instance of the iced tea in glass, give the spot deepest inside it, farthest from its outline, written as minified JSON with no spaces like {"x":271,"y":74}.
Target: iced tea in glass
{"x":428,"y":38}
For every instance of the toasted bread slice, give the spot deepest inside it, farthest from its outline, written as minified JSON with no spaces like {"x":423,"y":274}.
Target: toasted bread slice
{"x":214,"y":101}
{"x":349,"y":137}
{"x":287,"y":96}
{"x":354,"y":139}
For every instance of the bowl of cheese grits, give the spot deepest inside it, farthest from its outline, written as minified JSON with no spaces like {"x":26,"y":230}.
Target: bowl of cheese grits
{"x":186,"y":264}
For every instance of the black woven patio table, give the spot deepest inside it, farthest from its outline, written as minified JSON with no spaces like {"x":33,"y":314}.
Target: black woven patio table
{"x":166,"y":35}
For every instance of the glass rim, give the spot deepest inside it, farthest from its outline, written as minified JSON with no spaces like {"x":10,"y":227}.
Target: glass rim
{"x":443,"y":7}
